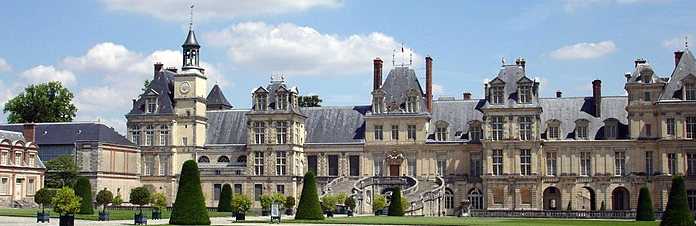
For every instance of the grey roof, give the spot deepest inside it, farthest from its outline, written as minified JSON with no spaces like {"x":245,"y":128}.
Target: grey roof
{"x":400,"y":80}
{"x":272,"y":88}
{"x":335,"y":124}
{"x":644,"y":69}
{"x":457,"y":114}
{"x":510,"y":75}
{"x":569,"y":109}
{"x":162,"y":86}
{"x":685,"y":67}
{"x":69,"y":133}
{"x":226,"y":127}
{"x":11,"y":135}
{"x":216,"y":97}
{"x":191,"y":40}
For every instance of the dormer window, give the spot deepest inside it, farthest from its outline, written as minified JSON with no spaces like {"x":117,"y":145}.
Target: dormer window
{"x":260,"y":102}
{"x":378,"y":105}
{"x":151,"y":105}
{"x":412,"y":101}
{"x":282,"y":101}
{"x":581,"y":129}
{"x":497,"y":94}
{"x":690,"y":91}
{"x":525,"y":94}
{"x":475,"y":131}
{"x":646,"y":78}
{"x":610,"y":129}
{"x":18,"y":159}
{"x":553,"y":130}
{"x":441,"y":131}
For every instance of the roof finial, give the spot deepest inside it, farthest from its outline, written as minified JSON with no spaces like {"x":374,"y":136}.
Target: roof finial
{"x":393,"y":57}
{"x":191,"y":23}
{"x":503,"y":61}
{"x":686,"y":41}
{"x":410,"y":57}
{"x":271,"y":77}
{"x":282,"y":76}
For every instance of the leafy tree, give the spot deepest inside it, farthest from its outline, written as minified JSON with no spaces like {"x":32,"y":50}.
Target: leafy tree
{"x":146,"y":84}
{"x":404,"y":204}
{"x":279,"y":198}
{"x":677,"y":212}
{"x":43,"y":196}
{"x":395,"y":207}
{"x":158,"y":201}
{"x":645,"y":206}
{"x":60,"y":172}
{"x":341,"y":198}
{"x":241,"y":203}
{"x":329,"y":202}
{"x":603,"y":207}
{"x":266,"y":202}
{"x":189,"y":207}
{"x":118,"y":200}
{"x":47,"y":102}
{"x":225,"y":199}
{"x":309,"y":208}
{"x":84,"y":189}
{"x":350,"y":203}
{"x":104,"y":197}
{"x":379,"y":203}
{"x":289,"y":202}
{"x":65,"y":201}
{"x":140,"y":196}
{"x":310,"y":101}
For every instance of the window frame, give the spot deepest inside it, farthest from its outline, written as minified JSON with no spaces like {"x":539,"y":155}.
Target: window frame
{"x":585,"y":163}
{"x":281,"y":132}
{"x":395,"y":132}
{"x":497,"y":95}
{"x":379,"y":132}
{"x":619,"y":163}
{"x":525,"y":127}
{"x":497,"y":162}
{"x":526,"y":162}
{"x":281,"y":163}
{"x":411,"y":131}
{"x":551,"y":164}
{"x":259,"y":132}
{"x":497,"y":127}
{"x":259,"y":163}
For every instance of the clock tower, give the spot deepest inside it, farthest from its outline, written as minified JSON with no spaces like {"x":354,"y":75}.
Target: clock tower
{"x":189,"y":97}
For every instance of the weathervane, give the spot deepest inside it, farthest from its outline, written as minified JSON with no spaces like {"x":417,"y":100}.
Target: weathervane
{"x":191,"y":23}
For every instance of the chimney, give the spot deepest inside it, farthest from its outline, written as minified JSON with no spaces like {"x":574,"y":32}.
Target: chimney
{"x":677,"y":56}
{"x":559,"y":94}
{"x":158,"y":67}
{"x":597,"y":97}
{"x":628,"y":76}
{"x":639,"y":61}
{"x":521,"y":62}
{"x":429,"y":83}
{"x":377,"y":74}
{"x":467,"y":96}
{"x":29,"y":131}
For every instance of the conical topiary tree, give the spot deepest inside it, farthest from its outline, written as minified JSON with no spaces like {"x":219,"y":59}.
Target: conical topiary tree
{"x":570,"y":206}
{"x":225,"y":199}
{"x":189,"y":207}
{"x":645,"y":206}
{"x":395,"y":207}
{"x":677,"y":212}
{"x":309,"y":208}
{"x":84,"y":190}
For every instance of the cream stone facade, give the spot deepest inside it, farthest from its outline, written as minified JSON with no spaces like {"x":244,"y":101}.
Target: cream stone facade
{"x":21,"y":170}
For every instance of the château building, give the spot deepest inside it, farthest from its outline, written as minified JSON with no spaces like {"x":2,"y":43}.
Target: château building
{"x":511,"y":150}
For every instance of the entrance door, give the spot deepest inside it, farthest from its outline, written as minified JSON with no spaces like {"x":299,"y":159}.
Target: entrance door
{"x":18,"y":189}
{"x":394,"y":170}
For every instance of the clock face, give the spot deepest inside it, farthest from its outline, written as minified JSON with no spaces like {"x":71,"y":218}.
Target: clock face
{"x":185,"y":87}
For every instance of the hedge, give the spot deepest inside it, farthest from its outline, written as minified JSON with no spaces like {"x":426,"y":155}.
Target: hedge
{"x":309,"y":208}
{"x":189,"y":207}
{"x":84,"y":190}
{"x":645,"y":206}
{"x":225,"y":204}
{"x":395,"y":207}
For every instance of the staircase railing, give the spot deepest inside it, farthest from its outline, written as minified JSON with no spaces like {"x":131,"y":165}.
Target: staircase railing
{"x":427,"y":196}
{"x":329,"y":187}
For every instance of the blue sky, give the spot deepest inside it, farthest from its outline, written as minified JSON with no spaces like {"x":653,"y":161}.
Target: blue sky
{"x":103,"y":50}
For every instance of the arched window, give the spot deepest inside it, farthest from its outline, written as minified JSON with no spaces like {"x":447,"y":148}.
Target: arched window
{"x":203,"y":159}
{"x":449,"y":199}
{"x":242,"y":158}
{"x":223,"y":159}
{"x":150,"y":135}
{"x":164,"y":135}
{"x":475,"y":198}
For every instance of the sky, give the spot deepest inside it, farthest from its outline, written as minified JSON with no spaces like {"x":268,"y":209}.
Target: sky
{"x":103,"y":50}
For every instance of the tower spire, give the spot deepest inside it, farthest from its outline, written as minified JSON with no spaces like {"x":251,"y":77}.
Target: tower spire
{"x":191,"y":23}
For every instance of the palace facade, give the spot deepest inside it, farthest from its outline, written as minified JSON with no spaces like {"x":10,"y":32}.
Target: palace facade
{"x":512,"y":150}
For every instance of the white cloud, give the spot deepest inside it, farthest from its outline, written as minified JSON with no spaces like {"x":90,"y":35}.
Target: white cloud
{"x":438,"y":91}
{"x":4,"y":66}
{"x":178,"y":10}
{"x":295,"y":50}
{"x":676,"y":42}
{"x":584,"y":50}
{"x":42,"y":74}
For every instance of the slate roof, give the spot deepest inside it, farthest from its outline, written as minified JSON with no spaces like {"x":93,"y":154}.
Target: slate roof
{"x":69,"y":133}
{"x":216,"y":97}
{"x":640,"y":70}
{"x":226,"y":127}
{"x":458,"y":114}
{"x":335,"y":124}
{"x":162,"y":86}
{"x":400,"y":80}
{"x":11,"y":135}
{"x":191,"y":40}
{"x":569,"y":109}
{"x":685,"y":67}
{"x":510,"y":75}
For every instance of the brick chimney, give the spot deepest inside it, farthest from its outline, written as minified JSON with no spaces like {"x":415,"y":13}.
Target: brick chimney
{"x":467,"y":96}
{"x":377,"y":74}
{"x":521,"y":62}
{"x":639,"y":61}
{"x":158,"y":67}
{"x":29,"y":131}
{"x":429,"y":83}
{"x":597,"y":97}
{"x":677,"y":56}
{"x":559,"y":94}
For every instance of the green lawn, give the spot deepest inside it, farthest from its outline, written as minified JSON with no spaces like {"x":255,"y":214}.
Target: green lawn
{"x":115,"y":214}
{"x":468,"y":221}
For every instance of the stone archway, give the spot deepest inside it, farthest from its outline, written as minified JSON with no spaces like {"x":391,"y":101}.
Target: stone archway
{"x":394,"y":160}
{"x":587,"y":199}
{"x":620,"y":199}
{"x":552,"y":198}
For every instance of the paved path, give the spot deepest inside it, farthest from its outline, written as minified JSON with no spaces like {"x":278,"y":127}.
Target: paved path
{"x":30,"y":221}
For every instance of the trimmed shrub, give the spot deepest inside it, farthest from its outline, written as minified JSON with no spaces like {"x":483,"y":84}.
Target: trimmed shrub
{"x":379,"y":203}
{"x":279,"y":198}
{"x":104,"y":197}
{"x":677,"y":212}
{"x":645,"y":206}
{"x":289,"y":202}
{"x":266,"y":202}
{"x":341,"y":198}
{"x":329,"y":202}
{"x":350,"y":203}
{"x":240,"y":203}
{"x":189,"y":207}
{"x":43,"y":196}
{"x":395,"y":207}
{"x":404,"y":204}
{"x":118,"y":200}
{"x":84,"y":190}
{"x":65,"y":201}
{"x":603,"y":207}
{"x":225,"y":199}
{"x":158,"y":201}
{"x":570,"y":206}
{"x":140,"y":196}
{"x":309,"y":208}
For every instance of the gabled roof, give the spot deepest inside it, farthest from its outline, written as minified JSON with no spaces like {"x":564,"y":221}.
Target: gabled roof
{"x":163,"y":86}
{"x":641,"y":69}
{"x":70,"y":132}
{"x":398,"y":82}
{"x":272,"y":88}
{"x":216,"y":97}
{"x":685,"y":67}
{"x":511,"y":76}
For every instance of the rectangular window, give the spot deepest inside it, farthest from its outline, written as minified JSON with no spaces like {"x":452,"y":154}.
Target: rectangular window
{"x":411,"y":161}
{"x":585,"y":164}
{"x":184,"y":141}
{"x":280,"y":188}
{"x":217,"y":188}
{"x":441,"y":164}
{"x":525,"y":94}
{"x":258,"y":163}
{"x":237,"y":189}
{"x":649,"y":163}
{"x":282,"y":133}
{"x":691,"y":198}
{"x":620,"y":163}
{"x":475,"y":165}
{"x":354,"y":162}
{"x":525,"y":162}
{"x":411,"y":132}
{"x":672,"y":163}
{"x":441,"y":133}
{"x":581,"y":132}
{"x":691,"y":164}
{"x":149,"y":165}
{"x":378,"y":133}
{"x":280,"y":163}
{"x":163,"y":165}
{"x":497,"y":162}
{"x":648,"y":130}
{"x":475,"y":132}
{"x":670,"y":127}
{"x":258,"y":191}
{"x":395,"y":133}
{"x":525,"y":127}
{"x":150,"y":137}
{"x":135,"y":135}
{"x":30,"y":187}
{"x":690,"y":91}
{"x":647,"y":96}
{"x":610,"y":131}
{"x":31,"y":160}
{"x":259,"y":132}
{"x":18,"y":159}
{"x":151,"y":105}
{"x":164,"y":137}
{"x":312,"y":164}
{"x":690,"y":127}
{"x":282,"y":101}
{"x":497,"y":128}
{"x":378,"y":165}
{"x":553,"y":132}
{"x":261,"y":102}
{"x":551,"y":163}
{"x":497,"y":94}
{"x":3,"y":186}
{"x":333,"y":165}
{"x":4,"y":158}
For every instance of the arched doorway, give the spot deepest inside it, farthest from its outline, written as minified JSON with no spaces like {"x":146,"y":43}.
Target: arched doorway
{"x":475,"y":198}
{"x":587,"y":199}
{"x":620,"y":199}
{"x":552,"y":198}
